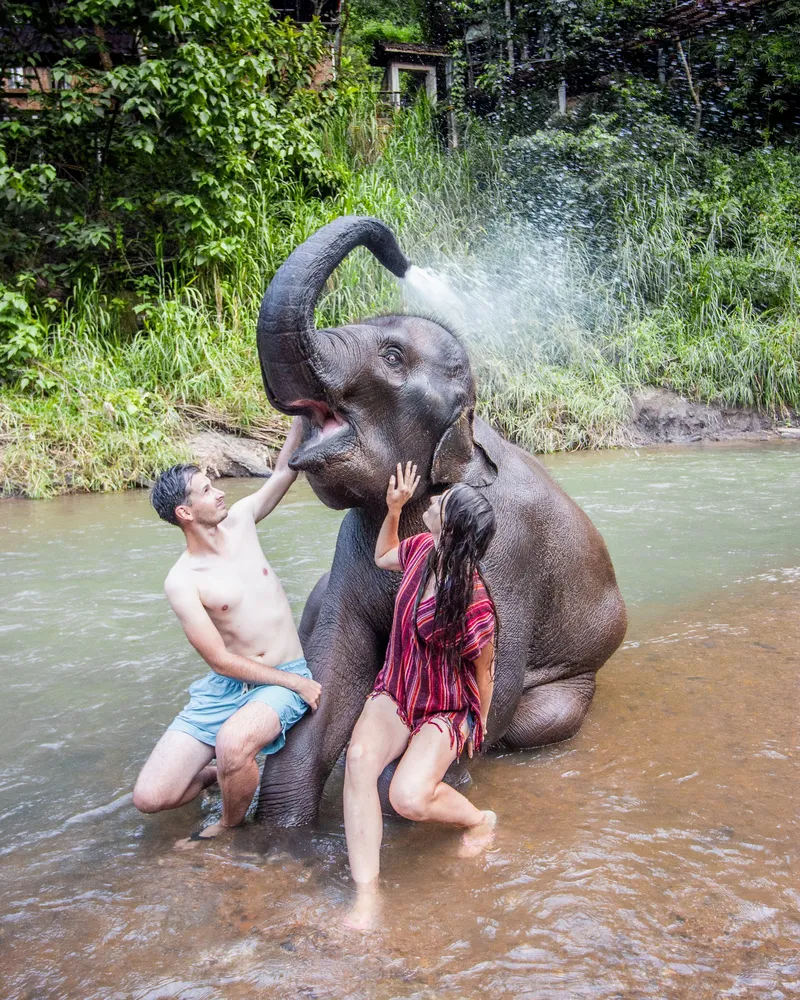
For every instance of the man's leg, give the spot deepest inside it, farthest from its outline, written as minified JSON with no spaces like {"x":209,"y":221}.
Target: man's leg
{"x":239,"y":740}
{"x":175,"y":773}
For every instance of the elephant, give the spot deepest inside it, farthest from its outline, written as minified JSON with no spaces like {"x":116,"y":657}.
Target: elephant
{"x":396,"y":388}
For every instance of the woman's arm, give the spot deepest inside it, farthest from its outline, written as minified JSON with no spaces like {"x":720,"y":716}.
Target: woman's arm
{"x":401,"y":489}
{"x":484,"y":675}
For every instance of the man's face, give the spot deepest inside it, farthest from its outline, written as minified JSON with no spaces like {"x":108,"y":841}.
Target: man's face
{"x":206,"y":505}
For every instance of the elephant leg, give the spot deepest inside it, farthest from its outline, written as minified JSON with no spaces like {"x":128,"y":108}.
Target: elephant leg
{"x":550,"y":713}
{"x":312,"y":609}
{"x":457,"y":776}
{"x":344,"y":654}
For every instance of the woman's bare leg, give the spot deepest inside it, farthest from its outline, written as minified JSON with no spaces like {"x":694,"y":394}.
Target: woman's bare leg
{"x":379,"y":737}
{"x":418,"y":792}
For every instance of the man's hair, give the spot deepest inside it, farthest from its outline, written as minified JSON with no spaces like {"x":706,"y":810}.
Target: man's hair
{"x":171,"y":489}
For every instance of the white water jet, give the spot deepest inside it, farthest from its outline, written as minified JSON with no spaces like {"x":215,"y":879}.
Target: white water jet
{"x":518,"y":295}
{"x":432,"y":294}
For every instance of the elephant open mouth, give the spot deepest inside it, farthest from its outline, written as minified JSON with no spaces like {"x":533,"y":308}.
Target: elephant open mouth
{"x":331,"y":436}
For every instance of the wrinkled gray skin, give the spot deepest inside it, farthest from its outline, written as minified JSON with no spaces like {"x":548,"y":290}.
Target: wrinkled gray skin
{"x":401,"y":387}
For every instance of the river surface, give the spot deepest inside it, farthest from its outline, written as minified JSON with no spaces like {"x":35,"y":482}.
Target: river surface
{"x":653,"y":856}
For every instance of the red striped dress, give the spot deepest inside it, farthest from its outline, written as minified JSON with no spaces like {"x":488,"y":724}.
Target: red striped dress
{"x":416,"y":675}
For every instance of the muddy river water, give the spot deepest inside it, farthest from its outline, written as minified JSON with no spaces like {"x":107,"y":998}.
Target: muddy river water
{"x":654,"y":855}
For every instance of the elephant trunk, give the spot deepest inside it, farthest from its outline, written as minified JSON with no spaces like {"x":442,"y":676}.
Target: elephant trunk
{"x":287,"y":342}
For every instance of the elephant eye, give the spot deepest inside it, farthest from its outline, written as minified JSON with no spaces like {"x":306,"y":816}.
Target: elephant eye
{"x":393,"y":357}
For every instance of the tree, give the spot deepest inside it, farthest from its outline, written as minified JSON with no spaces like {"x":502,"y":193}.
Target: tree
{"x":152,"y":123}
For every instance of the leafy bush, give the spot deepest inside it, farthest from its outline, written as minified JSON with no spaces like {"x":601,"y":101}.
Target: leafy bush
{"x":147,"y":205}
{"x":21,"y":338}
{"x":149,"y":161}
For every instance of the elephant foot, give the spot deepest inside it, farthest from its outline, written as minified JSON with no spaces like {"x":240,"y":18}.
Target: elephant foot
{"x":551,"y":713}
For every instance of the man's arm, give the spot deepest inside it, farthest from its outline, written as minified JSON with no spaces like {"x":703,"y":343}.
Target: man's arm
{"x":265,"y":500}
{"x":203,"y":635}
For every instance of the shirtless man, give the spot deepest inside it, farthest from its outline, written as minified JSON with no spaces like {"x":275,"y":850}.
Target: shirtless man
{"x":234,"y":612}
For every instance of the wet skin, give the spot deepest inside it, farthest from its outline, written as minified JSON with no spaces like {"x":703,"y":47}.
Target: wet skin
{"x":234,"y":612}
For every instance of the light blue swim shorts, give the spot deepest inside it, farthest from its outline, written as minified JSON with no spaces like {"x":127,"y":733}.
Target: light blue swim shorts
{"x":214,"y":698}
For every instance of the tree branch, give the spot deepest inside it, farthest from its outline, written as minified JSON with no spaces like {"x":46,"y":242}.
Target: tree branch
{"x":698,"y":114}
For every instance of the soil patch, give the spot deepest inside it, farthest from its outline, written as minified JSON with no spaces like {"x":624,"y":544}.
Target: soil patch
{"x":659,"y":416}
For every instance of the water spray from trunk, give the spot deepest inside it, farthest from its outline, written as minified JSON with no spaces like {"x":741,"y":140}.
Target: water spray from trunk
{"x":519,"y":296}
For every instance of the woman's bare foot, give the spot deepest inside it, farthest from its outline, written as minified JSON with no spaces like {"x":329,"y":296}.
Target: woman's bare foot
{"x":477,"y":838}
{"x":367,"y":909}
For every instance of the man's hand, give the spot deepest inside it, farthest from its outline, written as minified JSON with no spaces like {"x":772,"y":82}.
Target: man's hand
{"x":309,"y":690}
{"x":290,"y":445}
{"x":401,"y":487}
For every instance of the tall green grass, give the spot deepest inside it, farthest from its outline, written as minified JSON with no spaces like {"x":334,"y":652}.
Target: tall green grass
{"x":704,"y":300}
{"x":117,"y":395}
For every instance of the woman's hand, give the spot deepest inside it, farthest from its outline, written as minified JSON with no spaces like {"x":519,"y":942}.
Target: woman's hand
{"x":402,"y":487}
{"x":471,"y":739}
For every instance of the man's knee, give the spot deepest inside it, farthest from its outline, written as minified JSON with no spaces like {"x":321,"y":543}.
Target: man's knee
{"x":243,"y":735}
{"x":409,"y":799}
{"x":235,"y":748}
{"x":150,"y":798}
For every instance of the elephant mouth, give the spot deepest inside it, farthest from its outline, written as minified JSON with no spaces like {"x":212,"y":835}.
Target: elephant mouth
{"x":331,"y":435}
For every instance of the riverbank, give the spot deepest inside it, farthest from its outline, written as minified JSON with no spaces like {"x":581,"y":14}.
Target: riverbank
{"x":225,"y":448}
{"x":569,"y":312}
{"x":658,"y":417}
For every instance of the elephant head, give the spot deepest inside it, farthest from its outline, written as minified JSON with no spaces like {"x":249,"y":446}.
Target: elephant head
{"x":383,"y":389}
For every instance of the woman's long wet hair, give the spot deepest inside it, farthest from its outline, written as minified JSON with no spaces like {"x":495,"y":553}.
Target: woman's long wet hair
{"x":468,"y":527}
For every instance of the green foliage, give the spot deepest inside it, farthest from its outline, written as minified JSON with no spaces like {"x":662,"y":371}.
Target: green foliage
{"x":121,"y":403}
{"x":367,"y":32}
{"x":745,"y":64}
{"x":758,"y":64}
{"x":21,"y":341}
{"x":148,"y":203}
{"x":150,"y":160}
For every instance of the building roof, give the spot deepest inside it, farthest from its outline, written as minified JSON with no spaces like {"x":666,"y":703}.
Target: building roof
{"x":387,"y":51}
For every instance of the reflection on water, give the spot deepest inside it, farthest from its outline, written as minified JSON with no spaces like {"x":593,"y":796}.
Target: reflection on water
{"x":683,"y":522}
{"x":652,"y":856}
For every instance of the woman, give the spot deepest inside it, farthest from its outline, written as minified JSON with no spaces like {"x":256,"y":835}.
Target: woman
{"x":433,"y":694}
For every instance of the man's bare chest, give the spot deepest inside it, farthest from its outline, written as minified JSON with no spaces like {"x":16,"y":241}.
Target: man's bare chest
{"x":228,"y":581}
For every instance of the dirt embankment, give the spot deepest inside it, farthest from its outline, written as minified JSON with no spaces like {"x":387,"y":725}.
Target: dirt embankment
{"x":221,"y":453}
{"x":658,"y":417}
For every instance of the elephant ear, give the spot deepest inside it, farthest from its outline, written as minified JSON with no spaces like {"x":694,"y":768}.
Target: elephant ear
{"x":459,"y":458}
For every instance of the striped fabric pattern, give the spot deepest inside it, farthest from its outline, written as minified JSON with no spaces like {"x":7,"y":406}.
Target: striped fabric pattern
{"x":416,"y":674}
